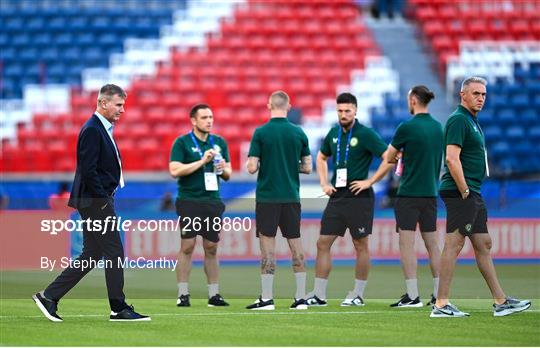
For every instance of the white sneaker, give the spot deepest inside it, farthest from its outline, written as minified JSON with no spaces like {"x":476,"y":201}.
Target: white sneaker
{"x":448,"y":311}
{"x":511,"y":305}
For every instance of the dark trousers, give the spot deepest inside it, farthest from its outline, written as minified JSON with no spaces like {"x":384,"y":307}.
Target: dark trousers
{"x":96,"y":245}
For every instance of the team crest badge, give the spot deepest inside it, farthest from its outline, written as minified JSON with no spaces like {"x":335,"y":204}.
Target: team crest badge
{"x":354,"y":141}
{"x":468,"y":227}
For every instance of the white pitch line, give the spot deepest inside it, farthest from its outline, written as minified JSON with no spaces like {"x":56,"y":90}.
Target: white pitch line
{"x":400,"y":311}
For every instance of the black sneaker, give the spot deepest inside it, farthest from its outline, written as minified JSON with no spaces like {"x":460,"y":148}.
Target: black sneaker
{"x":511,"y":305}
{"x":431,"y":303}
{"x":183,"y":301}
{"x":405,"y":301}
{"x":128,"y":314}
{"x":315,"y":301}
{"x":299,"y":304}
{"x":260,"y":305}
{"x":216,"y":301}
{"x":47,"y":307}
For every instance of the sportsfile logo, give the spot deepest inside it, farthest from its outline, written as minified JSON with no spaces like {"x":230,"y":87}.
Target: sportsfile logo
{"x":117,"y":223}
{"x":110,"y":223}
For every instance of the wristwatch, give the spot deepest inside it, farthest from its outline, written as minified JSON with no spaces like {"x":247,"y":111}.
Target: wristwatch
{"x":466,"y":191}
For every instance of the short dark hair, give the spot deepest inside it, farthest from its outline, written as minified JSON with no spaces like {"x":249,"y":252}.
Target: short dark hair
{"x":196,"y":109}
{"x":346,"y":98}
{"x":423,"y":94}
{"x":108,"y":91}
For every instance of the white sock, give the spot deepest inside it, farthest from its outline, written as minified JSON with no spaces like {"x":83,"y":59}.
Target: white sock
{"x":359,"y":286}
{"x":300,"y":285}
{"x":183,"y":289}
{"x":267,"y":283}
{"x":213,"y":290}
{"x":320,"y":288}
{"x":435,"y":286}
{"x":412,"y":288}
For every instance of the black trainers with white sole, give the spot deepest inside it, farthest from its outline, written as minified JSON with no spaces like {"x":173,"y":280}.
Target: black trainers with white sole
{"x":431,"y":302}
{"x":300,"y":304}
{"x":128,"y":314}
{"x":510,"y":306}
{"x":217,"y":301}
{"x":353,"y":302}
{"x":47,"y":307}
{"x":183,"y":301}
{"x":406,"y":302}
{"x":260,"y":305}
{"x":315,"y":301}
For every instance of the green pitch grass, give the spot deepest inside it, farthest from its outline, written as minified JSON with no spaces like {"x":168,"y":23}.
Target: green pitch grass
{"x":85,"y":312}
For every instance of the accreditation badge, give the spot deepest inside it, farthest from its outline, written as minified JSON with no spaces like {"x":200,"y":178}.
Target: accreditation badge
{"x":210,"y":181}
{"x":341,"y":177}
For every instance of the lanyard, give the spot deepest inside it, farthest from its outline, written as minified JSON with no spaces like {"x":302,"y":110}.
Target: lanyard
{"x":475,"y":122}
{"x":346,"y":148}
{"x":483,"y":143}
{"x":197,"y":148}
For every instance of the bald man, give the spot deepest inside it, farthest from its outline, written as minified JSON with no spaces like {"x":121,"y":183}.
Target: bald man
{"x":279,"y":151}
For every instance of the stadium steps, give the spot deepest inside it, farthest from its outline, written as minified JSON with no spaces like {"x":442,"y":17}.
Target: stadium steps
{"x":398,"y":42}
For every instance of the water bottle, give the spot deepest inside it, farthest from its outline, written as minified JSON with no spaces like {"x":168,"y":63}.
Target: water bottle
{"x":399,"y":167}
{"x":217,"y":160}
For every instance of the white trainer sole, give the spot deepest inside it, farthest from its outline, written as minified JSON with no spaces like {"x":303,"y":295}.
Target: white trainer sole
{"x":300,"y":307}
{"x":265,"y":308}
{"x":417,"y":305}
{"x":44,"y":311}
{"x":125,"y":320}
{"x":511,"y":311}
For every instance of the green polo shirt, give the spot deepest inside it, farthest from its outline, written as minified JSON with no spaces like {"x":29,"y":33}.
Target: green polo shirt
{"x":421,"y":140}
{"x":184,"y":150}
{"x":463,"y":130}
{"x":279,"y":145}
{"x":364,"y":144}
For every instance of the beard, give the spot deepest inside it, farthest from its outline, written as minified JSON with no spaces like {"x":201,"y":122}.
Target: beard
{"x":346,"y":124}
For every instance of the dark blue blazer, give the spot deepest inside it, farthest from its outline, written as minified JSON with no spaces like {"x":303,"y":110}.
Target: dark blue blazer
{"x":98,"y":171}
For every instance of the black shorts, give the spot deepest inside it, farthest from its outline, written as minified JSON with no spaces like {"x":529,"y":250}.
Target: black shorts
{"x":270,"y":216}
{"x":468,"y":215}
{"x":345,"y":210}
{"x":201,"y":218}
{"x":411,"y":211}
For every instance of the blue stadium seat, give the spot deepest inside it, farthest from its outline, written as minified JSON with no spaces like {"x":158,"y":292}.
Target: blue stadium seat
{"x":50,"y":55}
{"x":22,"y":39}
{"x":487,"y":118}
{"x":499,"y":150}
{"x":54,"y":28}
{"x":29,"y":54}
{"x":64,"y":39}
{"x":42,"y":40}
{"x":506,"y":116}
{"x":536,"y":102}
{"x":57,"y":24}
{"x":14,"y":70}
{"x":35,"y":24}
{"x":8,"y":54}
{"x":529,"y":117}
{"x":520,"y":100}
{"x":515,"y":133}
{"x":492,"y":133}
{"x":85,"y":39}
{"x":534,"y":133}
{"x":497,"y":100}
